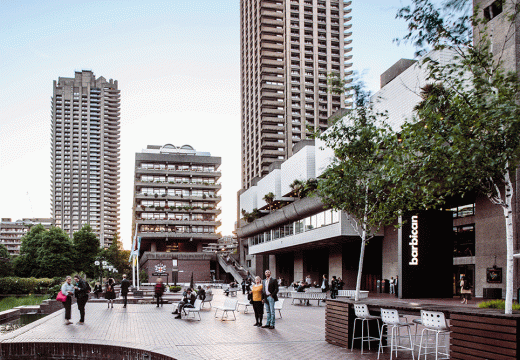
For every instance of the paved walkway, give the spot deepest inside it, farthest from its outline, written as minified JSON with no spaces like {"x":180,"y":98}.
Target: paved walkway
{"x":298,"y":335}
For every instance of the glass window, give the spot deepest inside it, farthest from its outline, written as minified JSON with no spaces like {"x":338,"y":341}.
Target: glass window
{"x":335,"y":216}
{"x":464,"y":240}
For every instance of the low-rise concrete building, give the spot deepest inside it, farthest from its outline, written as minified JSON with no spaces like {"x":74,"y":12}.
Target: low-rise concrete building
{"x":11,"y":232}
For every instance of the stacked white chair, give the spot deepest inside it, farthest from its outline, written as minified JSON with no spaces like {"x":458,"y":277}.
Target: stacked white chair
{"x":393,"y":325}
{"x":363,"y":315}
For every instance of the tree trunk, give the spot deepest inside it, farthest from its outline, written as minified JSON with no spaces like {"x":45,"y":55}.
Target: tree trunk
{"x":508,"y":214}
{"x":363,"y":243}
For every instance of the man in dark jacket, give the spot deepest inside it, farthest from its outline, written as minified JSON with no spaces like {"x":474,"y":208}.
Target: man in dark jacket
{"x":81,"y":289}
{"x":125,"y":285}
{"x":269,"y":297}
{"x":187,"y":302}
{"x":201,"y":293}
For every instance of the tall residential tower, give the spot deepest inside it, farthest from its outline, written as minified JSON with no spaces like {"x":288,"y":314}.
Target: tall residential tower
{"x":288,"y":49}
{"x":85,"y":154}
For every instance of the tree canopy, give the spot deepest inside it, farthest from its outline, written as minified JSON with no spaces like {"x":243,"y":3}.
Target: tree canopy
{"x":86,"y":249}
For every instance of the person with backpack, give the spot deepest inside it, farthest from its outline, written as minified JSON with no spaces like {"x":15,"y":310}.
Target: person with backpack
{"x":81,"y":290}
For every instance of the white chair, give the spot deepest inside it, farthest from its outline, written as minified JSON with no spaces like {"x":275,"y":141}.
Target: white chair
{"x":278,"y":305}
{"x":435,"y":322}
{"x":363,"y":314}
{"x":208,"y":299}
{"x":245,"y":304}
{"x":393,"y":325}
{"x":229,"y":305}
{"x":194,"y":310}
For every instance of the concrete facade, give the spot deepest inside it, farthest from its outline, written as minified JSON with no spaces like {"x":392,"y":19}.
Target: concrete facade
{"x":11,"y":232}
{"x":85,"y":149}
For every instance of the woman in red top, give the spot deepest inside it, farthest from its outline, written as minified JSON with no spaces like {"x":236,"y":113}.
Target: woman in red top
{"x":159,"y":291}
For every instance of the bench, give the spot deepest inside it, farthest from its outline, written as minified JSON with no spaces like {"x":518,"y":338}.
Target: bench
{"x":208,"y":299}
{"x":308,"y":296}
{"x":245,"y":304}
{"x":229,"y":305}
{"x":363,"y":294}
{"x":193,"y":310}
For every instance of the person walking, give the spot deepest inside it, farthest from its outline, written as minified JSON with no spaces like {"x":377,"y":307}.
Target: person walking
{"x":81,"y":289}
{"x":324,"y":283}
{"x":125,"y":285}
{"x":333,"y":288}
{"x":269,"y":297}
{"x":465,"y":288}
{"x":243,"y":283}
{"x":256,"y":300}
{"x":159,"y":291}
{"x":110,"y":293}
{"x":67,"y":289}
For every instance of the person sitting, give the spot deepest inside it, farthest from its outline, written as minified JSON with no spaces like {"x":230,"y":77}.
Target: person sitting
{"x":97,"y":290}
{"x":301,"y":286}
{"x":187,"y":302}
{"x":315,"y":285}
{"x":232,"y":284}
{"x":201,"y":293}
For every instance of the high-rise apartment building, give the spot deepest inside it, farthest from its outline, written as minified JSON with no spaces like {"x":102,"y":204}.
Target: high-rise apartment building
{"x":11,"y":232}
{"x":175,"y":210}
{"x":85,"y":154}
{"x":288,"y":50}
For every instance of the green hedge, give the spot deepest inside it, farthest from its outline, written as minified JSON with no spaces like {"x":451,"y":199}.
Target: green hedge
{"x":16,"y":285}
{"x":497,"y":304}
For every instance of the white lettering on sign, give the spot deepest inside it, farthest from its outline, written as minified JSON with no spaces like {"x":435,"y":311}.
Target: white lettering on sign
{"x":414,"y":241}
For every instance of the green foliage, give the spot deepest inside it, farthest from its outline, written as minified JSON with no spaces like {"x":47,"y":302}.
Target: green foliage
{"x":12,"y":302}
{"x":496,"y":304}
{"x":26,"y":264}
{"x":118,"y":257}
{"x":16,"y":285}
{"x":143,"y":276}
{"x":6,"y":266}
{"x":174,"y":288}
{"x":55,"y":256}
{"x":86,"y":249}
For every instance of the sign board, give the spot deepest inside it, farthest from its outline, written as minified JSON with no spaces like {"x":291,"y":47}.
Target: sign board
{"x":159,"y":274}
{"x":427,"y":254}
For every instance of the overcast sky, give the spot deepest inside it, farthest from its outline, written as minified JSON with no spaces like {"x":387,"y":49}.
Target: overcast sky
{"x":178,"y":67}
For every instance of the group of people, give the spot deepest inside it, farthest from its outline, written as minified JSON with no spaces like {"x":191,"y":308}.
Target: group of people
{"x":188,"y":299}
{"x":81,"y":289}
{"x":264,"y":294}
{"x":335,"y":284}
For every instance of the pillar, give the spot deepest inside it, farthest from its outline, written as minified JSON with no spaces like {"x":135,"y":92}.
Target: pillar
{"x":335,"y":262}
{"x":298,"y":266}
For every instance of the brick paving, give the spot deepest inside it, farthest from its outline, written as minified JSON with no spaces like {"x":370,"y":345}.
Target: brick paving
{"x":298,"y":335}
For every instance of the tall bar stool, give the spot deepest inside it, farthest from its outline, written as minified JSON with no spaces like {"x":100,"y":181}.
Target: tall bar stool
{"x":393,"y":325}
{"x":363,"y":314}
{"x":434,"y":322}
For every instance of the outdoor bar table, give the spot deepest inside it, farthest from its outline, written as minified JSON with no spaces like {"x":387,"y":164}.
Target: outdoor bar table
{"x":475,"y":333}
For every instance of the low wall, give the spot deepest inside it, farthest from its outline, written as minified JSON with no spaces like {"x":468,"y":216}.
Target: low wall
{"x":66,"y":351}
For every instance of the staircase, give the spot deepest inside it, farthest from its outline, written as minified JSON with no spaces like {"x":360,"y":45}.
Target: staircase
{"x":229,"y":267}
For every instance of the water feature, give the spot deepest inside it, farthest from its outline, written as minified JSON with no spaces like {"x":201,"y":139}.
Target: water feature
{"x":23,"y":320}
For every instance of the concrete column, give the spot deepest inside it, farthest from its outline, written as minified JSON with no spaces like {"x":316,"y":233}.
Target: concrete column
{"x":153,"y":247}
{"x":199,"y":247}
{"x":298,"y":266}
{"x":335,"y":262}
{"x":272,"y":265}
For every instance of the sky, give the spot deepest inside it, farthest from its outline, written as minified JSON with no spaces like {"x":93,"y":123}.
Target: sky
{"x":178,"y":67}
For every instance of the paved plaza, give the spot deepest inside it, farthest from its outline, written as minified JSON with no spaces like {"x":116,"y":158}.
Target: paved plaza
{"x":299,"y":334}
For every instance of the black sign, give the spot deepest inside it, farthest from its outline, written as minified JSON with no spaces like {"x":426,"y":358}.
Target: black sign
{"x":427,"y":254}
{"x":494,"y":275}
{"x":159,"y":274}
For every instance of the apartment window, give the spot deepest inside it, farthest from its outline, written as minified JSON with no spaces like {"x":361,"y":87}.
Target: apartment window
{"x":493,"y":10}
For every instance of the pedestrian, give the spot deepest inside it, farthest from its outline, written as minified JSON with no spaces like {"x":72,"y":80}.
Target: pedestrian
{"x":396,"y":286}
{"x":341,"y":284}
{"x":125,"y":285}
{"x":465,"y":288}
{"x":324,"y":283}
{"x":67,"y":289}
{"x":333,"y":288}
{"x":110,"y":293}
{"x":81,"y":289}
{"x":243,"y":283}
{"x":159,"y":291}
{"x":269,"y":297}
{"x":97,"y":289}
{"x":201,"y":293}
{"x":392,"y":285}
{"x":256,"y":300}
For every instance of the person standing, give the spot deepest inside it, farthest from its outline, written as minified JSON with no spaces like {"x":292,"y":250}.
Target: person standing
{"x":392,"y":285}
{"x":333,"y":288}
{"x":308,"y":280}
{"x":97,"y":290}
{"x":324,"y":283}
{"x":396,"y":286}
{"x":81,"y":292}
{"x":67,"y":289}
{"x":341,"y":284}
{"x":243,"y":283}
{"x":256,"y":300}
{"x":465,"y":288}
{"x":269,"y":297}
{"x":110,"y":293}
{"x":159,"y":291}
{"x":125,"y":285}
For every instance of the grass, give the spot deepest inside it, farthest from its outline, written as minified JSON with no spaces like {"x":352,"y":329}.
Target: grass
{"x":11,"y":302}
{"x":496,"y":304}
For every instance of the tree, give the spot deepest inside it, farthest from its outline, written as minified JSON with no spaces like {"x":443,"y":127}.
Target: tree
{"x":355,"y":181}
{"x":269,"y":199}
{"x":296,"y":187}
{"x":465,"y":137}
{"x":26,"y":264}
{"x":55,"y":257}
{"x":6,"y":268}
{"x":86,"y":249}
{"x":118,"y":257}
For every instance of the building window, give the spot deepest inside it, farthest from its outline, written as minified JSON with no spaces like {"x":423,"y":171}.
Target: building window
{"x":493,"y":10}
{"x":464,"y":240}
{"x":463,"y":211}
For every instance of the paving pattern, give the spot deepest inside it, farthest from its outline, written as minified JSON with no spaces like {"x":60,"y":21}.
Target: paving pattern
{"x":298,"y":335}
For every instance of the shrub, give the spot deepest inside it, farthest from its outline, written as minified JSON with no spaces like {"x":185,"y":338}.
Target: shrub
{"x":496,"y":304}
{"x":174,"y":288}
{"x":17,"y":285}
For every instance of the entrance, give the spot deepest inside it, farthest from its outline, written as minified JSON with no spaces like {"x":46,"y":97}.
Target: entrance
{"x":469,"y":271}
